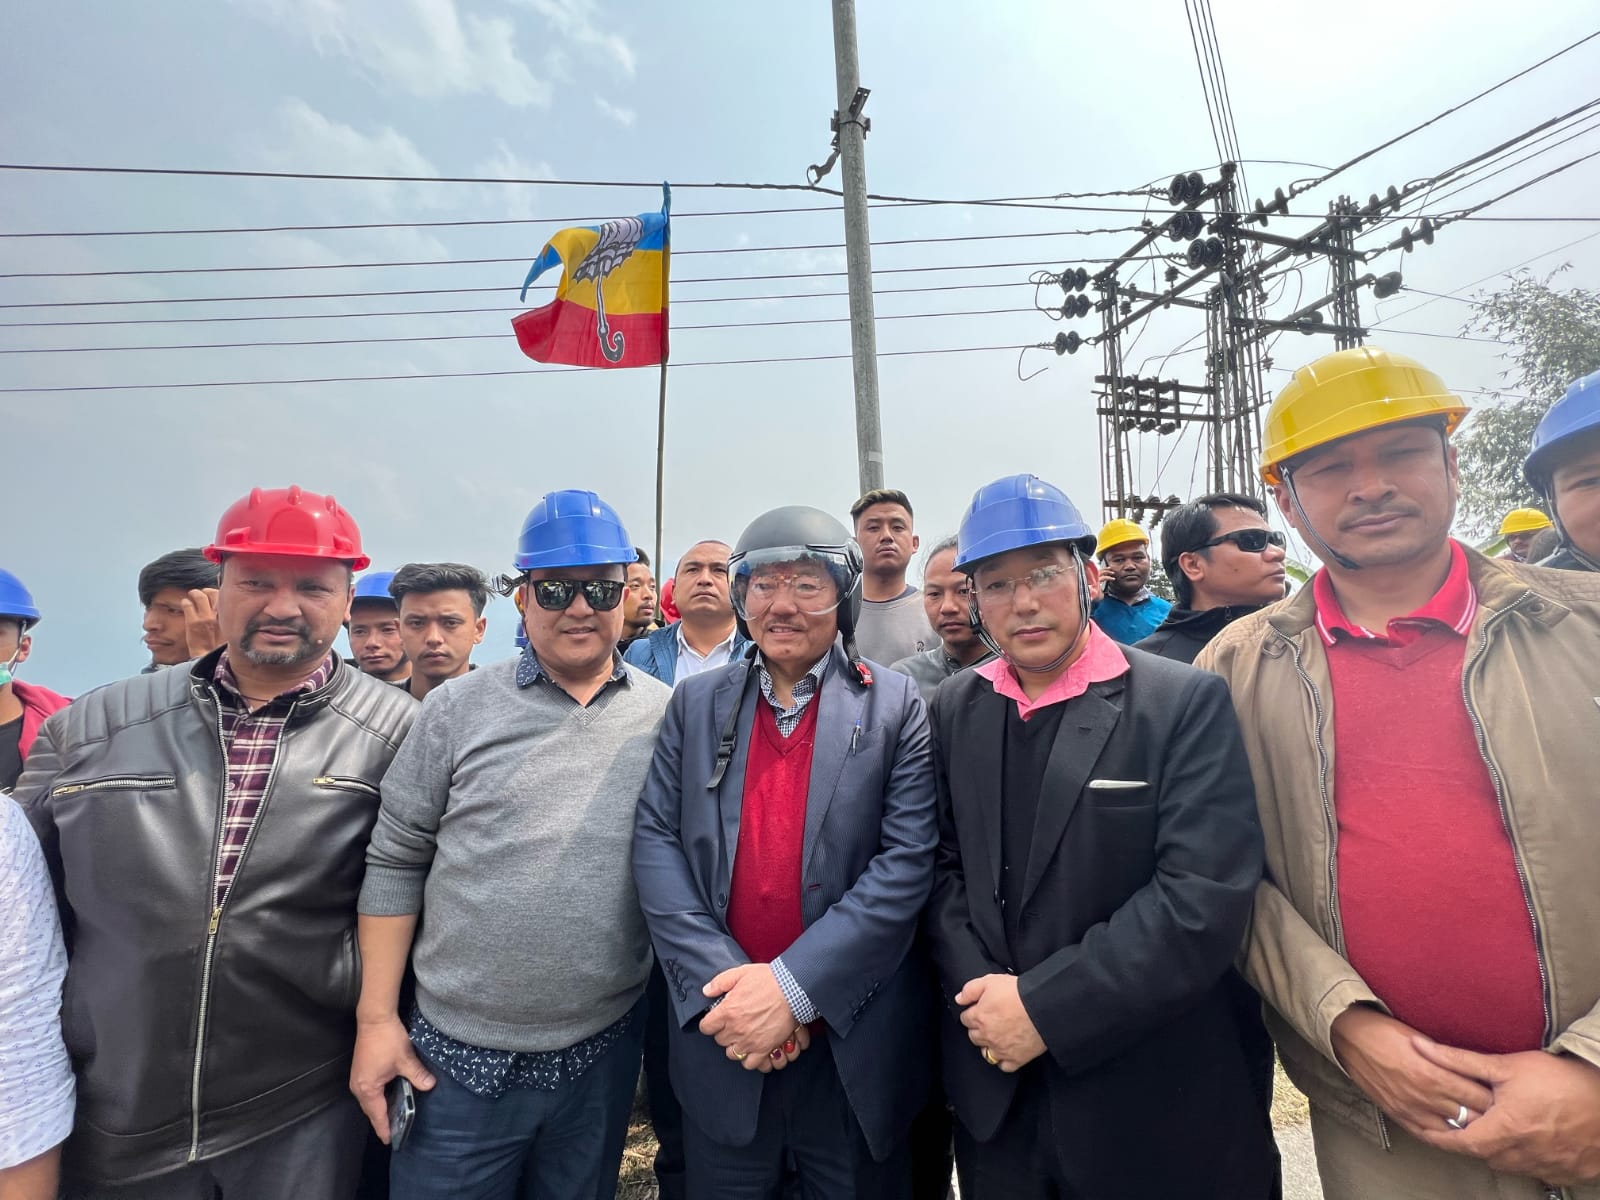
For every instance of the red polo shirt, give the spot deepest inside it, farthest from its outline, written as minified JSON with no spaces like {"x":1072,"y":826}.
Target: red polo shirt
{"x":1434,"y":913}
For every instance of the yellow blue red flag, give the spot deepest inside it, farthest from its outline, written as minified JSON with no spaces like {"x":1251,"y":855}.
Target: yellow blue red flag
{"x":610,"y":308}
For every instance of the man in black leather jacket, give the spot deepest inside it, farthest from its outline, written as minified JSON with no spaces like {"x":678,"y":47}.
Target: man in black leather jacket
{"x":206,"y":830}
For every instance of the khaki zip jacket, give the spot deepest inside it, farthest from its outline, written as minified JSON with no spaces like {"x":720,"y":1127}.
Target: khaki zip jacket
{"x":1531,"y":681}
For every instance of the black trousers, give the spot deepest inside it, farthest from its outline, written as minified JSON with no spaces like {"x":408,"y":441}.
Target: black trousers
{"x":1020,"y":1162}
{"x":805,"y":1122}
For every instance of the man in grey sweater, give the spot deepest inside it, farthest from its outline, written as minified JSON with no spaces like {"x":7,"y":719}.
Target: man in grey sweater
{"x":510,"y":820}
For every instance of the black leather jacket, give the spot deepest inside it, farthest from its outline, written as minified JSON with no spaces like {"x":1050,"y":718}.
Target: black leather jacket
{"x":195,"y":1031}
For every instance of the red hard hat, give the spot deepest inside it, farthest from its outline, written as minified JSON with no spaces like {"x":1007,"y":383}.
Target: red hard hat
{"x":288,"y":521}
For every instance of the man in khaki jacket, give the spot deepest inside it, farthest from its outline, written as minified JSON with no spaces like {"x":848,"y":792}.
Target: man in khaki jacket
{"x":1422,"y":726}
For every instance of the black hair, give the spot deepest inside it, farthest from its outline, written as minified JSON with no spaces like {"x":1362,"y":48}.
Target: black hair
{"x":426,"y":578}
{"x":880,"y":496}
{"x":1189,"y":526}
{"x":186,"y":570}
{"x":642,"y":559}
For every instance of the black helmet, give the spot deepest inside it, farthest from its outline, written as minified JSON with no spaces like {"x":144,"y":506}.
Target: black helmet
{"x":793,"y":534}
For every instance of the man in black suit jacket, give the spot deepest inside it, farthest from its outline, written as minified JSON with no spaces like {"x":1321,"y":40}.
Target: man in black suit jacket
{"x":1098,"y":852}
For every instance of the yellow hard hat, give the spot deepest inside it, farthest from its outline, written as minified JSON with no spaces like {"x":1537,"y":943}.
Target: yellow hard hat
{"x":1524,"y":520}
{"x":1116,"y":533}
{"x":1351,"y":391}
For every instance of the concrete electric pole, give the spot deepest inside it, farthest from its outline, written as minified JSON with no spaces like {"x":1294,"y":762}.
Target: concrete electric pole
{"x":851,"y":128}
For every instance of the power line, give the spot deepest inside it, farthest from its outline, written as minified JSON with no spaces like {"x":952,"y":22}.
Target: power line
{"x":523,"y":258}
{"x":502,"y":308}
{"x":1491,"y":275}
{"x":502,"y":288}
{"x":478,"y":337}
{"x":727,"y":362}
{"x":1306,"y":185}
{"x":338,"y":177}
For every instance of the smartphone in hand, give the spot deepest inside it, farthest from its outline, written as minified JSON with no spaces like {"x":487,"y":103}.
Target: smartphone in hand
{"x":402,"y":1100}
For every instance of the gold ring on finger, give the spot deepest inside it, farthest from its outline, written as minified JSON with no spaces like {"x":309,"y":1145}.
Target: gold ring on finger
{"x":988,"y":1057}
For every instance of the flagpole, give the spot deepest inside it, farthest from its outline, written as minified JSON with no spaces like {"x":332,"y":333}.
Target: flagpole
{"x":661,"y":459}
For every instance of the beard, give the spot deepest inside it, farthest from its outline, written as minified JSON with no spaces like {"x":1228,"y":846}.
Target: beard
{"x":288,"y":656}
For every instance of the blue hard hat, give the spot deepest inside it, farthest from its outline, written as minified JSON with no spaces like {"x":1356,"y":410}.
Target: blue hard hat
{"x":16,"y":600}
{"x":573,"y":529}
{"x":1018,"y":511}
{"x":374,"y":585}
{"x":1576,"y":414}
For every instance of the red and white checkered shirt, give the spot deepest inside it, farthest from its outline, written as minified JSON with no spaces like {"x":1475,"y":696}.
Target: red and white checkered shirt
{"x":250,"y":741}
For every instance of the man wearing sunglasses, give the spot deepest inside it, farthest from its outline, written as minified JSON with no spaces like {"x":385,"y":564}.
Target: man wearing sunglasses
{"x":1098,"y":851}
{"x":783,"y":852}
{"x":1224,"y":563}
{"x":512,"y":815}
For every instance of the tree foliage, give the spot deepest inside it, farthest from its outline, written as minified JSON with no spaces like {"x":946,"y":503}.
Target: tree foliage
{"x":1554,"y":337}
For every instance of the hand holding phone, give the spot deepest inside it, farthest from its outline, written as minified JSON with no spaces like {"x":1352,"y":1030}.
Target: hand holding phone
{"x":402,"y":1101}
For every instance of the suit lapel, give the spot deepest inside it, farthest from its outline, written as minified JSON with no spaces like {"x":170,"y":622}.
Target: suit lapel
{"x":1085,"y":728}
{"x":730,"y":793}
{"x":842,"y":706}
{"x":979,"y":771}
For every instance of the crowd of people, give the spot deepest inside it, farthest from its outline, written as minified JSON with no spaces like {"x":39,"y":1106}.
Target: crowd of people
{"x":1023,"y":873}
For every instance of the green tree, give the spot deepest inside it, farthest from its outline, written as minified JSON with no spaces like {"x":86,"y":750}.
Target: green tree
{"x":1554,"y":338}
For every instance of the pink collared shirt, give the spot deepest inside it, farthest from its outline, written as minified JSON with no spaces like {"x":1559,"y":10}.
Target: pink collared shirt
{"x":1102,"y":659}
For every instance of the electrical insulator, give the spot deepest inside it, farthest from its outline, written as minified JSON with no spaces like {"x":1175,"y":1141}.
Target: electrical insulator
{"x":1386,"y":285}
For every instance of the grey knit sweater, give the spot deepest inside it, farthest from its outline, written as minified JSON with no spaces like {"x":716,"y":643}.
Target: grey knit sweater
{"x":507,"y":820}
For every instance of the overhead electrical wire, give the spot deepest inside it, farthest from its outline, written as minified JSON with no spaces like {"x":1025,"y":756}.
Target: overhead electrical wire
{"x":504,"y":335}
{"x":1305,"y":185}
{"x":677,"y":365}
{"x":523,"y":258}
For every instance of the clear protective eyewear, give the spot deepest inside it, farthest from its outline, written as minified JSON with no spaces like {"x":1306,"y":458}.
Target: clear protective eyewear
{"x":1041,"y":581}
{"x":757,"y":584}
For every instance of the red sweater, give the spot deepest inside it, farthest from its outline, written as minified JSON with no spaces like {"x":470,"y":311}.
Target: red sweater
{"x":1434,"y":914}
{"x":764,"y":897}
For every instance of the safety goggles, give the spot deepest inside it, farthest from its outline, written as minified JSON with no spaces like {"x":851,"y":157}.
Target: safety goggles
{"x":1251,"y":541}
{"x":557,"y":595}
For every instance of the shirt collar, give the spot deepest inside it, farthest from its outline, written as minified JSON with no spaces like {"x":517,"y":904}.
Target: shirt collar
{"x":1453,"y":606}
{"x":224,"y":677}
{"x":1102,"y":659}
{"x":815,"y":674}
{"x":684,"y":646}
{"x":1144,"y":594}
{"x":531,"y":671}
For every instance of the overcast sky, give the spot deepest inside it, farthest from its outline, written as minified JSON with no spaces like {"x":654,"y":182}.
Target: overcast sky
{"x":968,"y":100}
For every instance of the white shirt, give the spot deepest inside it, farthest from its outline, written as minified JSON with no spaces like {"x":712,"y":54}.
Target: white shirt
{"x":692,"y":662}
{"x":36,"y":1090}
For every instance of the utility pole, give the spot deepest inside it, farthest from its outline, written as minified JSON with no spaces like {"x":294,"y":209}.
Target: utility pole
{"x":851,"y":130}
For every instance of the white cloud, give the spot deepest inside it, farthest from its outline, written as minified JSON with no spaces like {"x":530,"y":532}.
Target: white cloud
{"x":425,"y":47}
{"x":622,"y":116}
{"x":580,"y":22}
{"x":309,"y":141}
{"x":505,"y":163}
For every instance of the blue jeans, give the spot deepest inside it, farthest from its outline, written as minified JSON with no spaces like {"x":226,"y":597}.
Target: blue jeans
{"x":560,"y":1145}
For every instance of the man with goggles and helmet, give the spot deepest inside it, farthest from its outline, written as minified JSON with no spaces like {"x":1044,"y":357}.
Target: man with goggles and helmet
{"x":512,"y":810}
{"x":783,"y":854}
{"x":1098,"y":853}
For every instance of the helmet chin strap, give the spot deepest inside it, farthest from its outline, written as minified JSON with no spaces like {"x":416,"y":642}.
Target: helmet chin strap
{"x":1567,"y":543}
{"x":1066,"y":655}
{"x":1327,"y":551}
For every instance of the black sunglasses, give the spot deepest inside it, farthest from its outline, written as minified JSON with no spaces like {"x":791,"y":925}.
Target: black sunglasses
{"x":558,"y":594}
{"x":1251,"y":541}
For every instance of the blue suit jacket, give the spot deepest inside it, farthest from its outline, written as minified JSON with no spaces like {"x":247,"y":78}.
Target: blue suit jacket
{"x":866,"y":869}
{"x":656,"y":653}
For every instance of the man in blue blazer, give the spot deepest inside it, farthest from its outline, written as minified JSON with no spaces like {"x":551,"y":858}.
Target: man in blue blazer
{"x":706,"y":635}
{"x":783,"y":853}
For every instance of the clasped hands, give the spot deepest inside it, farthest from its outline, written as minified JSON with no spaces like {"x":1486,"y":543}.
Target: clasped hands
{"x":751,"y":1021}
{"x":1533,"y":1114}
{"x":998,"y":1024}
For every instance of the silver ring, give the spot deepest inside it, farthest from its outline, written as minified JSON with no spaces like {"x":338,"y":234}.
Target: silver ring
{"x":1461,"y":1120}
